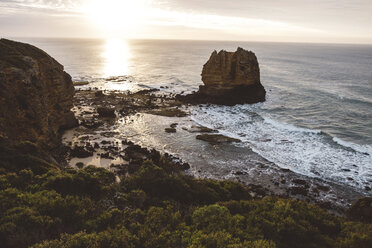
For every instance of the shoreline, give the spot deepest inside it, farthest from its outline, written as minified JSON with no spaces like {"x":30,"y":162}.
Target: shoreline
{"x":146,"y":189}
{"x":101,"y":142}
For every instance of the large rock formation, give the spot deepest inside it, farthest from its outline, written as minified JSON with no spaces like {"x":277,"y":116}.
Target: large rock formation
{"x":36,"y":95}
{"x":230,"y":78}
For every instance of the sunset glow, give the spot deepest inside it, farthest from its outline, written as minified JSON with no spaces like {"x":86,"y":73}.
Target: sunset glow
{"x":254,"y":20}
{"x":116,"y":55}
{"x":116,"y":17}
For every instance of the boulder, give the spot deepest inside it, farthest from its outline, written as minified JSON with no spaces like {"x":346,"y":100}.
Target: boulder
{"x":200,"y":129}
{"x":229,"y":78}
{"x":81,"y":152}
{"x":168,"y":112}
{"x":216,"y":138}
{"x":170,"y":130}
{"x":106,"y":112}
{"x":36,"y":95}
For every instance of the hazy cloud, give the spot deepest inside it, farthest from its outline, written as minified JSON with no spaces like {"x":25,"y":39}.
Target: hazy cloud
{"x":316,"y":20}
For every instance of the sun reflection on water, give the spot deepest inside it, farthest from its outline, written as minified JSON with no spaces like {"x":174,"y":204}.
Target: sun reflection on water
{"x":116,"y":58}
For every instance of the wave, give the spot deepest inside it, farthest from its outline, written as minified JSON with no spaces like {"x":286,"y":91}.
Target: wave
{"x":343,"y":96}
{"x":365,"y":149}
{"x":305,"y":151}
{"x":290,"y":127}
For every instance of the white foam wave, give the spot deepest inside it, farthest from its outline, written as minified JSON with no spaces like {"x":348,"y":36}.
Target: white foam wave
{"x":302,"y":150}
{"x":290,"y":127}
{"x":366,"y":149}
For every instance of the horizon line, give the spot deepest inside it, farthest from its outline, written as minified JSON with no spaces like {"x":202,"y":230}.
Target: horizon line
{"x":173,"y":39}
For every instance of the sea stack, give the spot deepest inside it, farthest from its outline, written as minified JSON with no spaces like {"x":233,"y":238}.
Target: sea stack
{"x":36,"y":95}
{"x":230,"y":78}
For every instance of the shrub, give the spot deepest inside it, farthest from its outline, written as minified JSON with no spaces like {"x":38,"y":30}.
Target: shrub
{"x":46,"y":206}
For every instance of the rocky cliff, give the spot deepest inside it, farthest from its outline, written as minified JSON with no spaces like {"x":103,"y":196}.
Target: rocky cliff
{"x":36,"y":95}
{"x":230,"y":78}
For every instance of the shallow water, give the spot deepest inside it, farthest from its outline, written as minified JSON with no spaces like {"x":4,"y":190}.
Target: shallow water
{"x":317,"y":120}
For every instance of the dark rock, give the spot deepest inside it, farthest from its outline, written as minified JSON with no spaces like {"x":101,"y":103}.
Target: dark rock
{"x":174,"y":125}
{"x":106,"y":155}
{"x":216,"y":138}
{"x":89,"y":147}
{"x":80,"y":165}
{"x":136,"y":152}
{"x":92,"y":124}
{"x":36,"y":95}
{"x":106,"y":112}
{"x":323,"y":188}
{"x":200,"y":129}
{"x":80,"y":152}
{"x":181,"y":166}
{"x":298,"y":191}
{"x":229,"y":78}
{"x":169,"y":112}
{"x":170,"y":130}
{"x":80,"y":83}
{"x":146,"y":91}
{"x":99,"y":94}
{"x":300,"y":182}
{"x":185,"y":166}
{"x":70,"y":122}
{"x":315,"y":191}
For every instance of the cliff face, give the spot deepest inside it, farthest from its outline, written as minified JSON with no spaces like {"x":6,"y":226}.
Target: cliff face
{"x":231,"y":68}
{"x":230,"y":78}
{"x":36,"y":95}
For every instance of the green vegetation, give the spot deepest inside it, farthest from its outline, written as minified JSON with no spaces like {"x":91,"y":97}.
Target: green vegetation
{"x":42,"y":205}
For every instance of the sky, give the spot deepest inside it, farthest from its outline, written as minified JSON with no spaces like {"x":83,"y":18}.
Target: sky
{"x":320,"y":21}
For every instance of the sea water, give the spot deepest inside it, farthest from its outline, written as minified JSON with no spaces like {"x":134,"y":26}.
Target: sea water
{"x":317,"y":120}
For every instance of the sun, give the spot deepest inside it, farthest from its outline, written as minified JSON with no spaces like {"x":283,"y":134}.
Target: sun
{"x":117,"y":16}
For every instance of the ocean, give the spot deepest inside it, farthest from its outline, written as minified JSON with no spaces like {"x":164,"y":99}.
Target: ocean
{"x":317,"y":120}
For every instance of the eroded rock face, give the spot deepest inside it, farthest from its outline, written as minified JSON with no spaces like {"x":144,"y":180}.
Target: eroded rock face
{"x":36,"y":95}
{"x":230,"y":78}
{"x":231,"y":68}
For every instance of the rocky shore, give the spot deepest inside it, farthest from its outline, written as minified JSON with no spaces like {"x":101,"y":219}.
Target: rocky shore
{"x":98,"y":141}
{"x":96,"y":114}
{"x":57,"y":194}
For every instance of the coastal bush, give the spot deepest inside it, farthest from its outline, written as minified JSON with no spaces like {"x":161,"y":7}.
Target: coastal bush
{"x":91,"y":181}
{"x":361,"y":210}
{"x":24,"y":155}
{"x":156,"y":182}
{"x":355,"y":235}
{"x":42,"y":205}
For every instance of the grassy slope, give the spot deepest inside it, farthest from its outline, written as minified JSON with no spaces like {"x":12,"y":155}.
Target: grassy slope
{"x":46,"y":206}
